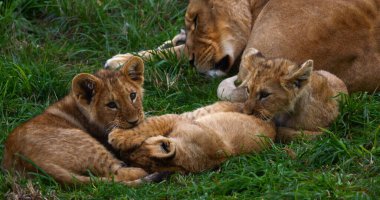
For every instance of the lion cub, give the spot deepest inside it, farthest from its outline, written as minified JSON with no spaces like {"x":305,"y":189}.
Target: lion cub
{"x":194,"y":141}
{"x":297,"y":98}
{"x":61,"y":141}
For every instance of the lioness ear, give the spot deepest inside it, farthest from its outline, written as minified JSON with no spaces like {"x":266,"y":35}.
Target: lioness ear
{"x":134,"y":69}
{"x":300,"y":77}
{"x":163,"y":147}
{"x":84,"y":87}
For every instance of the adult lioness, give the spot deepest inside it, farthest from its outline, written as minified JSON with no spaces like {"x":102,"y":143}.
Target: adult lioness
{"x":61,"y":141}
{"x":194,"y":141}
{"x":342,"y":37}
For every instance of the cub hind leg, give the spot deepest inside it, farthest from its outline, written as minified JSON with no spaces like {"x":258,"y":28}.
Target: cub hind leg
{"x":77,"y":155}
{"x":63,"y":175}
{"x":127,"y":175}
{"x":103,"y":164}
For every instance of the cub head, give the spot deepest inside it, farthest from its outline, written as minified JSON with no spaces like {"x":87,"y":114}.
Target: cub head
{"x":217,"y":32}
{"x":111,"y":99}
{"x":273,"y":85}
{"x":155,"y":154}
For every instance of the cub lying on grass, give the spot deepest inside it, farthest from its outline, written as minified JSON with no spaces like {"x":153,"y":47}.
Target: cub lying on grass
{"x":61,"y":141}
{"x":194,"y":141}
{"x":297,"y":98}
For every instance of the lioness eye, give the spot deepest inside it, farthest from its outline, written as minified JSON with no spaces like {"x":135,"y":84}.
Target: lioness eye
{"x":112,"y":105}
{"x":263,"y":95}
{"x":133,"y":96}
{"x":195,"y":22}
{"x":247,"y":90}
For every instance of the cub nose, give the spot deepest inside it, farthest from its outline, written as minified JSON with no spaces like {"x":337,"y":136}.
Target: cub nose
{"x":248,"y":108}
{"x":248,"y":111}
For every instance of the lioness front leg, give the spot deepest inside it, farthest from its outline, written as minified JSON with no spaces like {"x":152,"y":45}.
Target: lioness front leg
{"x":131,"y":138}
{"x":177,"y":40}
{"x":119,"y":59}
{"x":175,"y":46}
{"x":285,"y":134}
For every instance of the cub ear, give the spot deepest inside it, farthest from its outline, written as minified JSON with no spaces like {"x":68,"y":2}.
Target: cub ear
{"x":162,"y":147}
{"x":300,"y":77}
{"x":84,"y":87}
{"x":251,"y":53}
{"x":251,"y":58}
{"x":134,"y":69}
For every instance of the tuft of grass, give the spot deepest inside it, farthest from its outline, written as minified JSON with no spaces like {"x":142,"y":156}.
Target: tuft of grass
{"x":45,"y":43}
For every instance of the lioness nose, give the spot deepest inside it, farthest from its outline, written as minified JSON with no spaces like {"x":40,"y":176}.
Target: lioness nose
{"x":191,"y":60}
{"x":223,"y":64}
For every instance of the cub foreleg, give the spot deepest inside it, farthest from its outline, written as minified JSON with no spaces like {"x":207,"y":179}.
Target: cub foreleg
{"x":131,"y":138}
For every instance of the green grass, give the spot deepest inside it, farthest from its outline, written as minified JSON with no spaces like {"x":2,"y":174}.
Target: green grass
{"x":43,"y":44}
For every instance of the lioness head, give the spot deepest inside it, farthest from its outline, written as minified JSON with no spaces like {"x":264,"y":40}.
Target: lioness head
{"x":273,"y":85}
{"x":217,"y":33}
{"x":155,"y":154}
{"x":111,"y":99}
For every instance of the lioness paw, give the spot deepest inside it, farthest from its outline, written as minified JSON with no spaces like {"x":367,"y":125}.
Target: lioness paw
{"x":228,"y":91}
{"x":117,"y":61}
{"x":177,"y":40}
{"x":180,"y":38}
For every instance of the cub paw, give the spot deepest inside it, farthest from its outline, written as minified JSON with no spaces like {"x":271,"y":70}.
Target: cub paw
{"x":125,"y":139}
{"x":130,"y":174}
{"x":116,"y":139}
{"x":117,"y":61}
{"x":135,"y":173}
{"x":134,"y":142}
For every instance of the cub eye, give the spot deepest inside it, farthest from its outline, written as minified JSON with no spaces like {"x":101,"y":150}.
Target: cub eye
{"x":165,"y":147}
{"x":247,"y":90}
{"x":112,"y":105}
{"x":263,"y":95}
{"x":133,"y":96}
